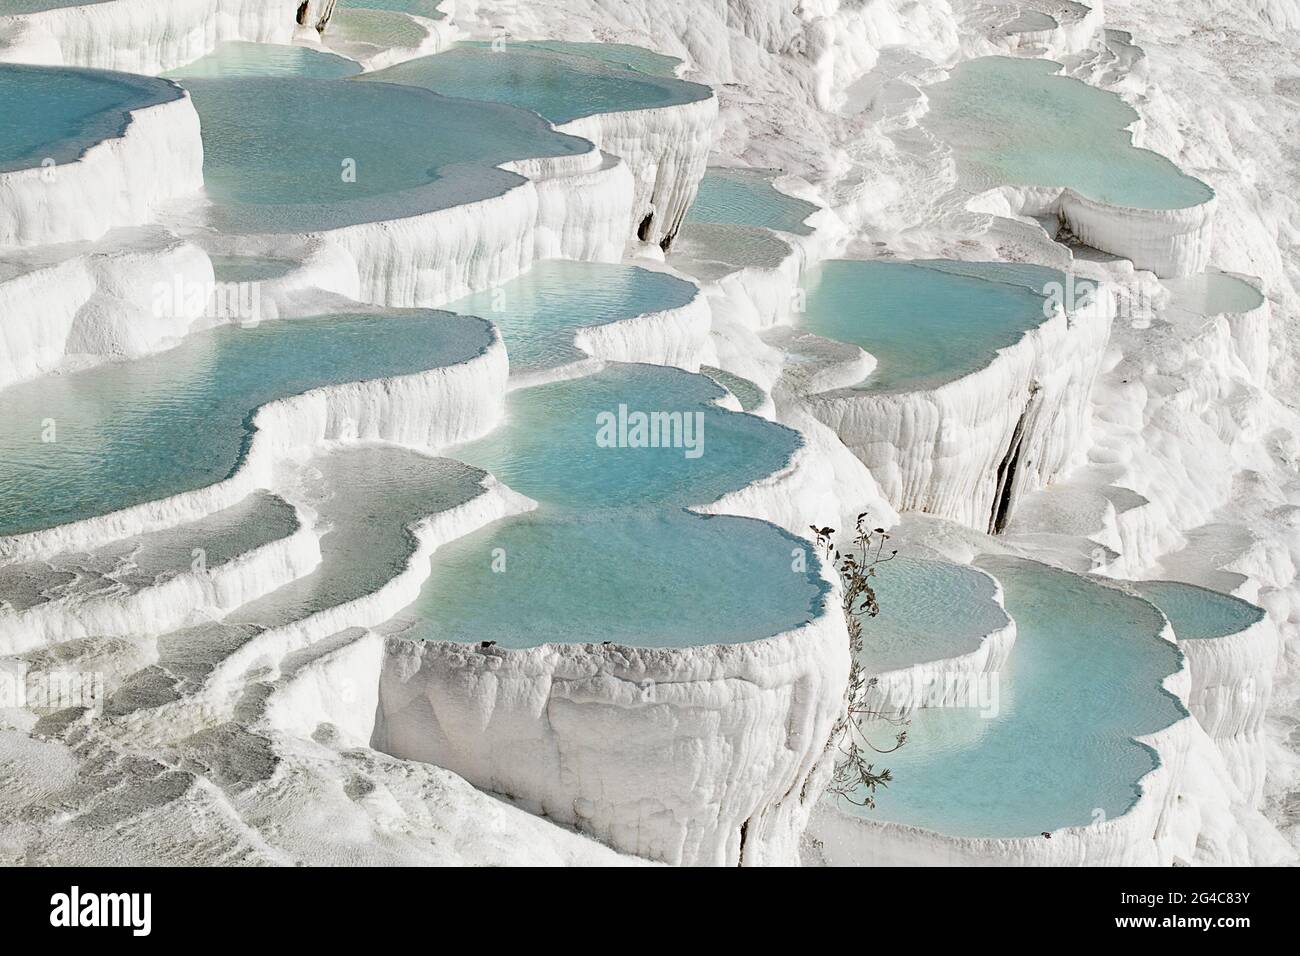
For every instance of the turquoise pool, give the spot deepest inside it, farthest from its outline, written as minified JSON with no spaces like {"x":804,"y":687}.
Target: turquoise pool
{"x":1083,"y":680}
{"x":708,"y":251}
{"x":623,"y":56}
{"x":746,"y":392}
{"x":230,"y":60}
{"x":59,"y":113}
{"x":366,"y":32}
{"x":137,"y":431}
{"x":539,"y":312}
{"x":549,"y":448}
{"x":927,"y":322}
{"x":39,"y":6}
{"x":929,"y":611}
{"x":421,"y":8}
{"x":250,"y":268}
{"x":294,"y":155}
{"x":611,"y":554}
{"x":657,"y":578}
{"x":746,"y":197}
{"x":1214,"y":293}
{"x":1031,"y":21}
{"x":368,"y":498}
{"x":1015,"y":121}
{"x":149,"y":559}
{"x":559,"y":86}
{"x":1198,"y":613}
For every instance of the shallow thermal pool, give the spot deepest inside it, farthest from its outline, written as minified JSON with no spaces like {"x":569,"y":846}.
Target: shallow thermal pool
{"x":611,"y":554}
{"x":146,"y":560}
{"x":59,"y":113}
{"x":1017,"y":122}
{"x":295,"y":155}
{"x":709,"y":251}
{"x":560,"y":86}
{"x":1030,"y":21}
{"x":1056,"y":748}
{"x":362,"y":33}
{"x":746,"y":197}
{"x":237,"y":59}
{"x":554,"y":448}
{"x":748,"y":394}
{"x":368,"y":498}
{"x":927,"y":322}
{"x":39,"y":6}
{"x":929,"y":611}
{"x":650,"y":578}
{"x":539,"y":312}
{"x":421,"y":8}
{"x":250,"y":268}
{"x":624,"y":56}
{"x":137,"y":431}
{"x":1198,"y":613}
{"x":1214,"y":293}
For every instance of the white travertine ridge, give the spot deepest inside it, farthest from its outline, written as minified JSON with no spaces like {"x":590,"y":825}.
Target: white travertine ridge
{"x":591,"y":736}
{"x":143,"y":36}
{"x":98,"y":304}
{"x":116,"y":182}
{"x":167,"y":605}
{"x":434,"y":257}
{"x":677,"y":337}
{"x":1168,"y":242}
{"x":1232,"y":685}
{"x":666,"y":148}
{"x":940,"y":450}
{"x":427,"y":410}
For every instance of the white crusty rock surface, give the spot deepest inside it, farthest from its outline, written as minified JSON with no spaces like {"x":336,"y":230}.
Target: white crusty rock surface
{"x":944,"y":450}
{"x":706,"y":755}
{"x":145,"y":36}
{"x":116,"y":182}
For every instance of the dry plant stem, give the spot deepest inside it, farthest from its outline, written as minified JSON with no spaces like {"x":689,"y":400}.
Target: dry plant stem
{"x":855,"y":777}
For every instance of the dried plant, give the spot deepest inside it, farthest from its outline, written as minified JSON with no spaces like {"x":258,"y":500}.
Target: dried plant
{"x":855,"y":777}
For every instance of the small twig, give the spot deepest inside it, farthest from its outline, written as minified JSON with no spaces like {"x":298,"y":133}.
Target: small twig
{"x":853,"y":779}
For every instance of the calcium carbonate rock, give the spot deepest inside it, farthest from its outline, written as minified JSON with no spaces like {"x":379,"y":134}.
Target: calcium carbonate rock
{"x":145,"y":36}
{"x":667,"y":150}
{"x":428,"y":410}
{"x":119,"y":181}
{"x":970,"y":448}
{"x":705,"y":755}
{"x":102,"y":302}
